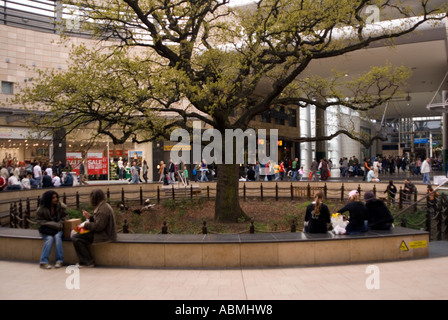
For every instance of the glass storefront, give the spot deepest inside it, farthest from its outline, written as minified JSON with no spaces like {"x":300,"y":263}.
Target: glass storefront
{"x":102,"y":159}
{"x":17,"y":147}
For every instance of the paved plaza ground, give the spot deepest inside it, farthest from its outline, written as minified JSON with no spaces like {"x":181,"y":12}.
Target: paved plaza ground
{"x":423,"y":279}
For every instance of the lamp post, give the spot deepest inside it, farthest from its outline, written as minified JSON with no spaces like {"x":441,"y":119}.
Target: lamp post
{"x":443,"y":108}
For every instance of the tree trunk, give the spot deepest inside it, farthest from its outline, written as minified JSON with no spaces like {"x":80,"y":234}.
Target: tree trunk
{"x":227,"y":203}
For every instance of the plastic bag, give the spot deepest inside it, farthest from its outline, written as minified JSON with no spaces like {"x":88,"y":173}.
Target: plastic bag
{"x":338,"y":223}
{"x":339,"y":230}
{"x":81,"y":229}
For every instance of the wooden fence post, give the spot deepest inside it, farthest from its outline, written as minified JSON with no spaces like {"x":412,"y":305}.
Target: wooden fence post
{"x":141,"y":196}
{"x":292,"y":192}
{"x":276,"y":191}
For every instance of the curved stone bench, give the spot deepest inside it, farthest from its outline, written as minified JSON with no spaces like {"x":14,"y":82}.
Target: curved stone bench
{"x":231,"y":250}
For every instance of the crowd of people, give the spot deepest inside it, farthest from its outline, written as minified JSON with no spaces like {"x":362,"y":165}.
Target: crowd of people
{"x":37,"y":175}
{"x":34,"y":175}
{"x":287,"y":170}
{"x":172,"y":172}
{"x":372,"y":168}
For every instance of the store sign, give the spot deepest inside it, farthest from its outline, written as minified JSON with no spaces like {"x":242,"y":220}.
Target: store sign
{"x":422,"y":140}
{"x":97,"y":164}
{"x":74,"y":160}
{"x":117,"y":153}
{"x":176,"y":148}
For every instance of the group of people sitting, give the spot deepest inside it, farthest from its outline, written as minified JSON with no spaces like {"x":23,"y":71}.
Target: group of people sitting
{"x":370,"y":214}
{"x":30,"y":177}
{"x":99,"y":227}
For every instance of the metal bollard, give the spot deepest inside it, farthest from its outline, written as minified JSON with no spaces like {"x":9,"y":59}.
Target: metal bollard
{"x":125,"y":226}
{"x":164,"y":228}
{"x":293,"y":226}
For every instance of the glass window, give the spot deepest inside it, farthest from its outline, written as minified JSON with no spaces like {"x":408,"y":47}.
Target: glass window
{"x":279,"y":115}
{"x":7,"y":87}
{"x":265,"y":117}
{"x":292,"y":118}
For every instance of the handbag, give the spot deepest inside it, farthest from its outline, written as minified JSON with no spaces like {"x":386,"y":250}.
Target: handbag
{"x":48,"y":231}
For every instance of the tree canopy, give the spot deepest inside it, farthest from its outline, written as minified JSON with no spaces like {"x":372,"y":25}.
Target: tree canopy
{"x":201,"y":59}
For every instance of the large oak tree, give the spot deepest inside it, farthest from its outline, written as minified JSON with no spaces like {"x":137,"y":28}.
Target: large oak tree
{"x":201,"y":59}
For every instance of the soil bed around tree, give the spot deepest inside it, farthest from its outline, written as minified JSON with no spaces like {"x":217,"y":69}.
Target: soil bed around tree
{"x":187,"y":217}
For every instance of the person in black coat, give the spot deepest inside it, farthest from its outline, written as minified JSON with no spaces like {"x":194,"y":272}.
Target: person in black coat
{"x":378,"y":214}
{"x":46,"y":181}
{"x":317,"y":216}
{"x":68,"y":180}
{"x":391,"y":191}
{"x":358,"y":213}
{"x":250,"y":174}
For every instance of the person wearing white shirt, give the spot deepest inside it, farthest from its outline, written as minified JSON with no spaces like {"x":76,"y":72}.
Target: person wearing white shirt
{"x":13,"y":183}
{"x":49,"y":171}
{"x":425,"y":170}
{"x":26,"y":182}
{"x":37,"y":172}
{"x":371,"y":176}
{"x":56,"y":181}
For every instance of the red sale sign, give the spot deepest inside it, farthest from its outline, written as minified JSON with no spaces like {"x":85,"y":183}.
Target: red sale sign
{"x":74,"y":159}
{"x":97,"y":165}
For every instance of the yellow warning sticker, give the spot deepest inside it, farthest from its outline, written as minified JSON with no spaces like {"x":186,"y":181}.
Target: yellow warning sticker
{"x":417,"y":244}
{"x":403,"y":246}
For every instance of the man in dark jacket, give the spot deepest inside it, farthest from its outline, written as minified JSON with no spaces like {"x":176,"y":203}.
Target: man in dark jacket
{"x":68,"y":180}
{"x":46,"y":181}
{"x":378,"y":214}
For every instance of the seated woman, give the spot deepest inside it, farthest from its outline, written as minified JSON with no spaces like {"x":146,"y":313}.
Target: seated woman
{"x":378,"y":214}
{"x":358,"y":213}
{"x":51,"y":215}
{"x":317,"y":215}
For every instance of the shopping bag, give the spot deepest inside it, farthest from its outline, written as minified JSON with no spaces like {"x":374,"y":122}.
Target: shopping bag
{"x":338,"y":223}
{"x":81,"y":229}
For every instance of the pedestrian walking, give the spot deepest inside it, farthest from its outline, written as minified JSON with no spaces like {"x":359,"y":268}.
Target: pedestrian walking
{"x":425,"y":170}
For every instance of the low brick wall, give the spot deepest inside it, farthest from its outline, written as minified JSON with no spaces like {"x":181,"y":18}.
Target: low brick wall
{"x":231,"y":250}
